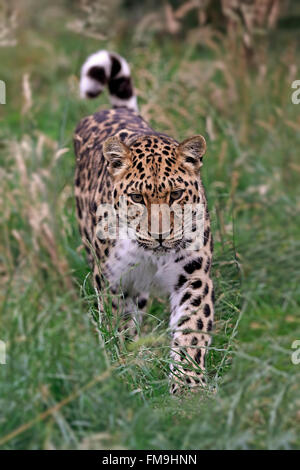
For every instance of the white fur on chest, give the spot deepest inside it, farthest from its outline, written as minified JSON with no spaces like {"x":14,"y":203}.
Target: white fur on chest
{"x":141,"y":271}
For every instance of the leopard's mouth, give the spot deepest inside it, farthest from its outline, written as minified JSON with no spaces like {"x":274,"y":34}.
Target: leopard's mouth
{"x":160,"y":248}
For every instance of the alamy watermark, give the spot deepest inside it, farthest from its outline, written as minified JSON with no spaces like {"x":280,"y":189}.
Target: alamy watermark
{"x":2,"y":352}
{"x":296,"y":94}
{"x":2,"y":92}
{"x":295,"y":357}
{"x":157,"y":224}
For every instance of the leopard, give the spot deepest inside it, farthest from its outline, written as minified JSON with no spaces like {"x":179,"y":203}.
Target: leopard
{"x":122,"y":161}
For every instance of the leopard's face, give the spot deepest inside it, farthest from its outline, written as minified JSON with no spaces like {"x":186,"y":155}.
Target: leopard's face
{"x":157,"y":181}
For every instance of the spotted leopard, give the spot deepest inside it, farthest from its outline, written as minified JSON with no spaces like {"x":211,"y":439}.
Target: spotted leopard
{"x":120,"y":157}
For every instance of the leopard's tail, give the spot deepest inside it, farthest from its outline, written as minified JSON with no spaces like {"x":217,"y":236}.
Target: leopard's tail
{"x":107,"y":68}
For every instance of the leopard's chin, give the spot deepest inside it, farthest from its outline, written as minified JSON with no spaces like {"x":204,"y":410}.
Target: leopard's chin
{"x":161,"y":249}
{"x":157,"y":249}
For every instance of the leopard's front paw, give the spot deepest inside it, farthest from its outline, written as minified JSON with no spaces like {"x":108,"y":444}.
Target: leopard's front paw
{"x":183,"y":383}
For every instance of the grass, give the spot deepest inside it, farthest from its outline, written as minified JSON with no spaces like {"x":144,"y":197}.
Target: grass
{"x":68,"y":385}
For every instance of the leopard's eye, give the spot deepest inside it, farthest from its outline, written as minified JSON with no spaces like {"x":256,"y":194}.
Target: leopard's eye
{"x":138,"y":198}
{"x":176,"y":194}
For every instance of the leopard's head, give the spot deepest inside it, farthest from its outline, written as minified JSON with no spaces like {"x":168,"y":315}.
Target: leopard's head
{"x":160,"y":181}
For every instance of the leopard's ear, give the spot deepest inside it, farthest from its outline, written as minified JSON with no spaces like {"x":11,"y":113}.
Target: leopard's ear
{"x":117,"y":155}
{"x":191,"y":151}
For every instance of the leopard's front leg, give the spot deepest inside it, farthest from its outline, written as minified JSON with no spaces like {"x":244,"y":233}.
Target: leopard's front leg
{"x":127,"y":310}
{"x":192,"y":312}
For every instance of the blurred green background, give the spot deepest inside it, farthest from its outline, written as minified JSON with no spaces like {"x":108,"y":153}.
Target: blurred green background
{"x":220,"y":68}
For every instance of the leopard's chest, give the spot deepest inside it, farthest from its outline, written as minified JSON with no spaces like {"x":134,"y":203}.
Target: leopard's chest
{"x":139,"y":270}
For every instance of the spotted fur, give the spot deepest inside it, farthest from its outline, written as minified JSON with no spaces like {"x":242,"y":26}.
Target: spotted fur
{"x":119,"y":154}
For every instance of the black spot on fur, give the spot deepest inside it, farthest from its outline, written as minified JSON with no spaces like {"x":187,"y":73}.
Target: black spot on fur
{"x":206,"y":310}
{"x":181,"y":280}
{"x":78,"y":208}
{"x":182,"y":354}
{"x":98,"y":281}
{"x":97,"y":73}
{"x":193,"y":265}
{"x":183,"y":320}
{"x":198,"y":356}
{"x":199,"y":324}
{"x":123,"y":135}
{"x":197,"y":301}
{"x":207,"y":266}
{"x":206,"y":289}
{"x":115,"y":66}
{"x":142,"y":303}
{"x":93,"y":207}
{"x":197,"y":284}
{"x":206,"y":236}
{"x":121,"y":87}
{"x":87,"y":235}
{"x":185,"y":297}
